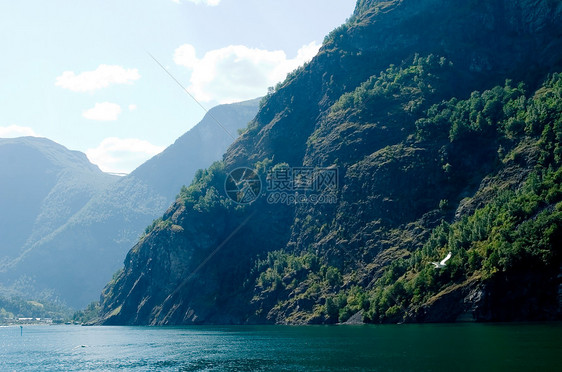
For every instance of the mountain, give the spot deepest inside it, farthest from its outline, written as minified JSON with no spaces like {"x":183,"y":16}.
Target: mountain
{"x":36,"y":174}
{"x":43,"y":184}
{"x":422,"y":127}
{"x":73,"y":255}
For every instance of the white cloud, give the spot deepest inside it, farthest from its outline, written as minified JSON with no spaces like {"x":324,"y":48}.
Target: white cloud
{"x":122,"y":155}
{"x":186,"y":56}
{"x":102,"y":77}
{"x":236,"y":72}
{"x":204,"y":2}
{"x":105,"y":111}
{"x":132,"y":107}
{"x":306,"y":53}
{"x":13,"y":131}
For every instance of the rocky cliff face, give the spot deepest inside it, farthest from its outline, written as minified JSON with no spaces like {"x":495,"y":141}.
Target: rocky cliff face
{"x":388,"y":103}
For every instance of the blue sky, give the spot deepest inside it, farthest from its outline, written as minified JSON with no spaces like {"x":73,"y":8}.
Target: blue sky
{"x":79,"y":72}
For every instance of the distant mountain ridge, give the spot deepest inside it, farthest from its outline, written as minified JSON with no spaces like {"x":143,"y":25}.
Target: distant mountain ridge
{"x":43,"y":184}
{"x":85,"y":220}
{"x":196,"y":149}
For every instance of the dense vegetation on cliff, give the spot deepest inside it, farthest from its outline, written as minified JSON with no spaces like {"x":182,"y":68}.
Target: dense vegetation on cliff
{"x":444,"y":139}
{"x":514,"y":234}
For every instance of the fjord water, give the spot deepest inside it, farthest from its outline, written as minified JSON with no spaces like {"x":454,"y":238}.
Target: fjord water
{"x":435,"y":347}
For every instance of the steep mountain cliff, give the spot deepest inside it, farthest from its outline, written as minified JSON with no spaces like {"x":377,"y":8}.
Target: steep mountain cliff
{"x":399,"y":142}
{"x":74,"y":251}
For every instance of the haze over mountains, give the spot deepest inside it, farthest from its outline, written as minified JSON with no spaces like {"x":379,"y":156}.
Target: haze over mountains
{"x":65,"y":226}
{"x":43,"y":185}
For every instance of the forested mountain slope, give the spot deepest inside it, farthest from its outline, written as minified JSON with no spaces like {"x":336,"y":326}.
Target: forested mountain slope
{"x":442,"y":121}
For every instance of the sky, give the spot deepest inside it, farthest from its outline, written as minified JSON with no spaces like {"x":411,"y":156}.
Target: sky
{"x":81,"y":73}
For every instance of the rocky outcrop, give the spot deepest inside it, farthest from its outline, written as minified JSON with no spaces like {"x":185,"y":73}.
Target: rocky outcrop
{"x":515,"y":297}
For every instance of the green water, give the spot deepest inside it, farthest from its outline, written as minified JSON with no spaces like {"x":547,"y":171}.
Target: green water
{"x":455,"y":347}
